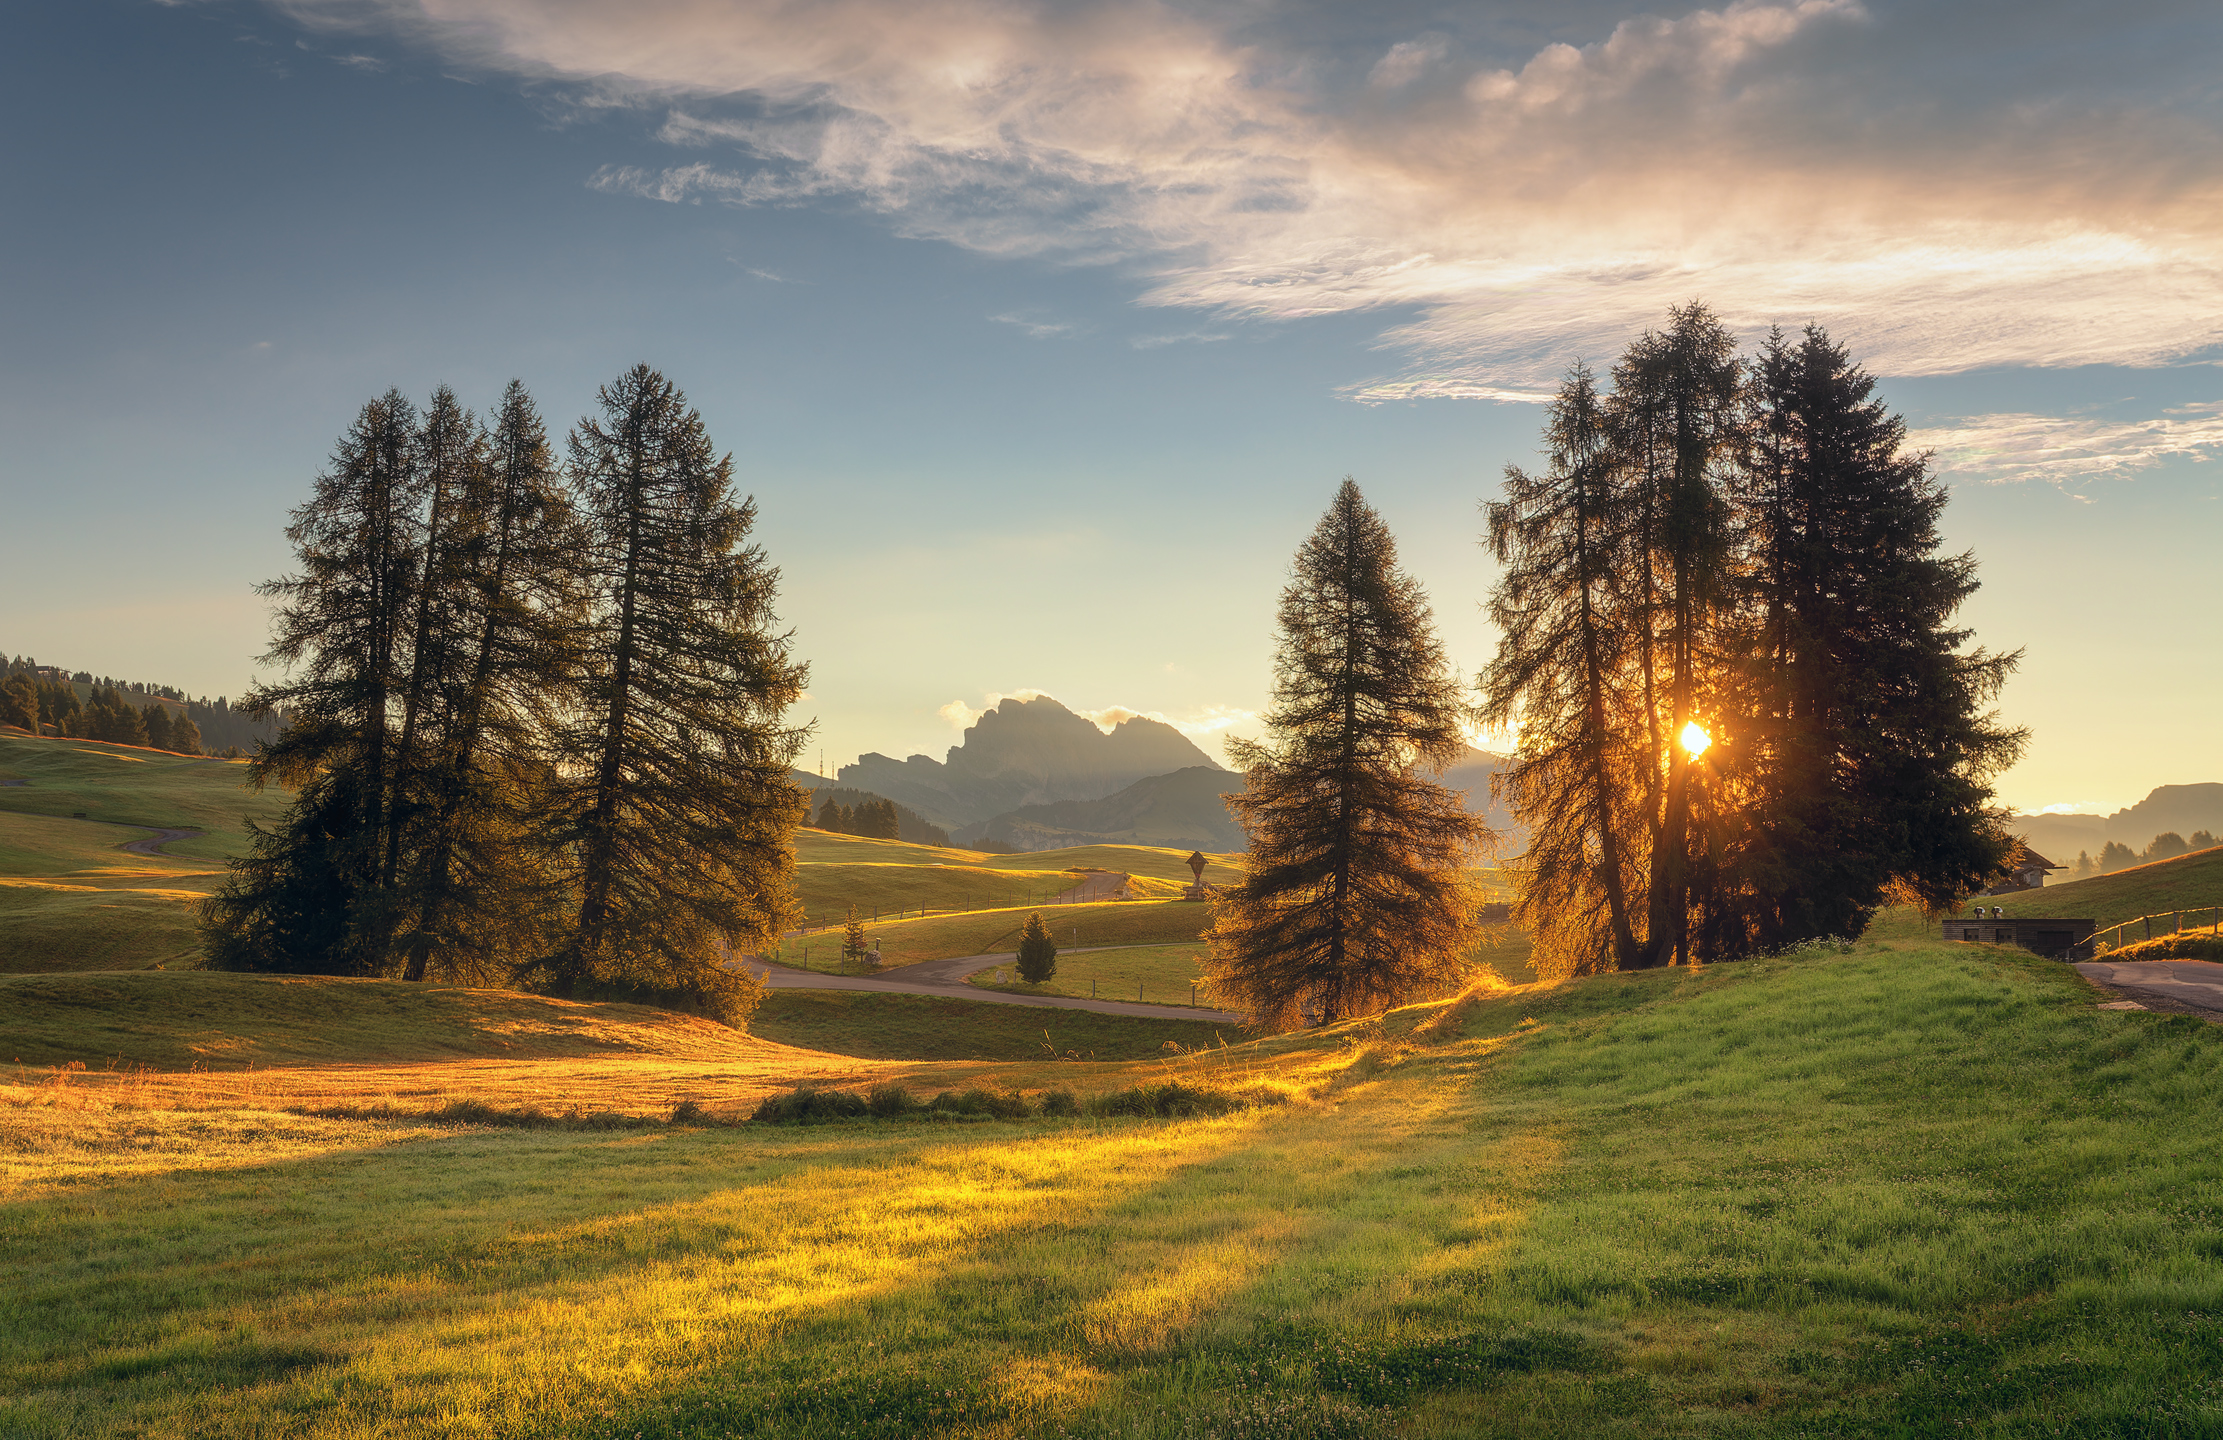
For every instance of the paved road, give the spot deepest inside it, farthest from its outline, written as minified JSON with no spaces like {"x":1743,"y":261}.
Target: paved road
{"x":947,"y":977}
{"x":2182,"y":987}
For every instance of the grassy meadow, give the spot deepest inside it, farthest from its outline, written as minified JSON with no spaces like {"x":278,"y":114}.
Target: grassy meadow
{"x":71,"y":896}
{"x":1916,"y":1189}
{"x":991,"y":932}
{"x":1153,"y":974}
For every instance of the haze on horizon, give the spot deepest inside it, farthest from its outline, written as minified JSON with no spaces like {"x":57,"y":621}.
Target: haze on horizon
{"x":1042,"y":332}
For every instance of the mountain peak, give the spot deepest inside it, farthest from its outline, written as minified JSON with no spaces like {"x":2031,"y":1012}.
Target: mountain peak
{"x":1031,"y":751}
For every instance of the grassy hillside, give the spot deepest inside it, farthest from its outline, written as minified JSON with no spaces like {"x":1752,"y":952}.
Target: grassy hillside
{"x":1915,"y":1190}
{"x":171,"y":1020}
{"x":929,"y":1027}
{"x":988,"y":932}
{"x":2187,"y":882}
{"x":71,"y":896}
{"x":1153,"y":974}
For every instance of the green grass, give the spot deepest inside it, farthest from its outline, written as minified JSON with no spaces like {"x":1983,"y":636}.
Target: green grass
{"x":828,"y":890}
{"x":928,"y":1027}
{"x":1154,"y":974}
{"x":989,"y":932}
{"x":1911,"y":1191}
{"x":175,"y":1020}
{"x":126,"y":785}
{"x":2182,"y":883}
{"x":71,"y":897}
{"x":2187,"y":945}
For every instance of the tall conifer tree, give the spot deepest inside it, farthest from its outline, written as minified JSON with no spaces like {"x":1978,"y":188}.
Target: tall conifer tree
{"x":507,"y":660}
{"x":676,"y":813}
{"x":306,"y":897}
{"x":1872,"y":743}
{"x":1561,"y":675}
{"x":1354,"y":894}
{"x":1675,"y":410}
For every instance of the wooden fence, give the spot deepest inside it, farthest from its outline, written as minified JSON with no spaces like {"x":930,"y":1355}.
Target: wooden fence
{"x":2171,"y":922}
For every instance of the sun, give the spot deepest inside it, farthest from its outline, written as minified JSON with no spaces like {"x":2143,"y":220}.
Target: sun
{"x":1695,"y":739}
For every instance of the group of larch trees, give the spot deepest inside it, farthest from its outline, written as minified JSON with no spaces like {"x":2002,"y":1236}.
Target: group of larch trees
{"x":534,"y":711}
{"x":1745,"y":717}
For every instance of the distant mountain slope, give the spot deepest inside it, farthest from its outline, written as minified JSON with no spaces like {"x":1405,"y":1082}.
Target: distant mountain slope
{"x":1186,"y":809}
{"x":1182,"y":810}
{"x":2182,"y":808}
{"x":1024,"y":753}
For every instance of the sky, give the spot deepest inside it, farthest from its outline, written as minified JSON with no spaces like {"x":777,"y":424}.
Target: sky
{"x":1042,"y":333}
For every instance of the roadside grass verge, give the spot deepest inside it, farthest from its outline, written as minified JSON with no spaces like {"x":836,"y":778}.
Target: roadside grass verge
{"x":876,"y":1026}
{"x":988,"y":932}
{"x":1913,"y":1190}
{"x":2206,"y":945}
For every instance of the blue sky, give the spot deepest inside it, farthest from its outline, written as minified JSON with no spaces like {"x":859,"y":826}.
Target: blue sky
{"x":1043,"y":333}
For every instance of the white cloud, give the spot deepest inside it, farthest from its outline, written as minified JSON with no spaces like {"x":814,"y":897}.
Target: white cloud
{"x":1943,"y":194}
{"x":961,"y":715}
{"x":2006,"y":447}
{"x":2074,"y":807}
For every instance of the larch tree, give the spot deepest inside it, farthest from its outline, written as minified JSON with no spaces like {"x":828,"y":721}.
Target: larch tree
{"x":510,"y":561}
{"x":305,"y":897}
{"x":672,"y":808}
{"x":1355,"y":893}
{"x":1675,"y":410}
{"x":1560,"y":677}
{"x":1037,"y":957}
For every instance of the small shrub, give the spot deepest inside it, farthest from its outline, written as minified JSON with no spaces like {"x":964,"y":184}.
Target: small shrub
{"x":808,"y":1105}
{"x":1060,"y":1104}
{"x":1170,"y":1100}
{"x":890,"y":1102}
{"x":1037,"y":952}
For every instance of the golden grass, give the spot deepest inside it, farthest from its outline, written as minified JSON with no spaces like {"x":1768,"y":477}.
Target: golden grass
{"x":988,"y":932}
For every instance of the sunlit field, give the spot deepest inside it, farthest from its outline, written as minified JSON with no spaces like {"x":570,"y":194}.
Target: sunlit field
{"x":1153,"y":974}
{"x":989,"y":932}
{"x":1915,"y":1189}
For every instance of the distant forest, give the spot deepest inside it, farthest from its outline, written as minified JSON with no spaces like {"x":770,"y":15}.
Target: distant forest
{"x":860,"y":812}
{"x":51,"y":700}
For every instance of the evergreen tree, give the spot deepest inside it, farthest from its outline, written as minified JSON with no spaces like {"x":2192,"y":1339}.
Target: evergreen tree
{"x":156,"y":719}
{"x":307,"y":898}
{"x":2114,"y":855}
{"x":1354,"y":894}
{"x":1037,"y":952}
{"x":1560,"y":674}
{"x":2165,"y":846}
{"x":876,"y":820}
{"x":2083,"y":865}
{"x":506,"y":659}
{"x":2203,"y":840}
{"x":1674,"y":412}
{"x":674,"y":813}
{"x":19,"y":703}
{"x":1870,"y":747}
{"x":853,"y":936}
{"x":833,"y":817}
{"x":185,"y":736}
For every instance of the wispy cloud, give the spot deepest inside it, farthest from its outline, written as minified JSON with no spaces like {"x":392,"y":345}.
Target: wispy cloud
{"x":1936,"y":188}
{"x":1032,"y":328}
{"x":2006,"y":447}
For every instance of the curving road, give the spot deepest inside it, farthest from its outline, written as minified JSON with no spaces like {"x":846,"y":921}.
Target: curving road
{"x":2180,"y":987}
{"x":947,"y":978}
